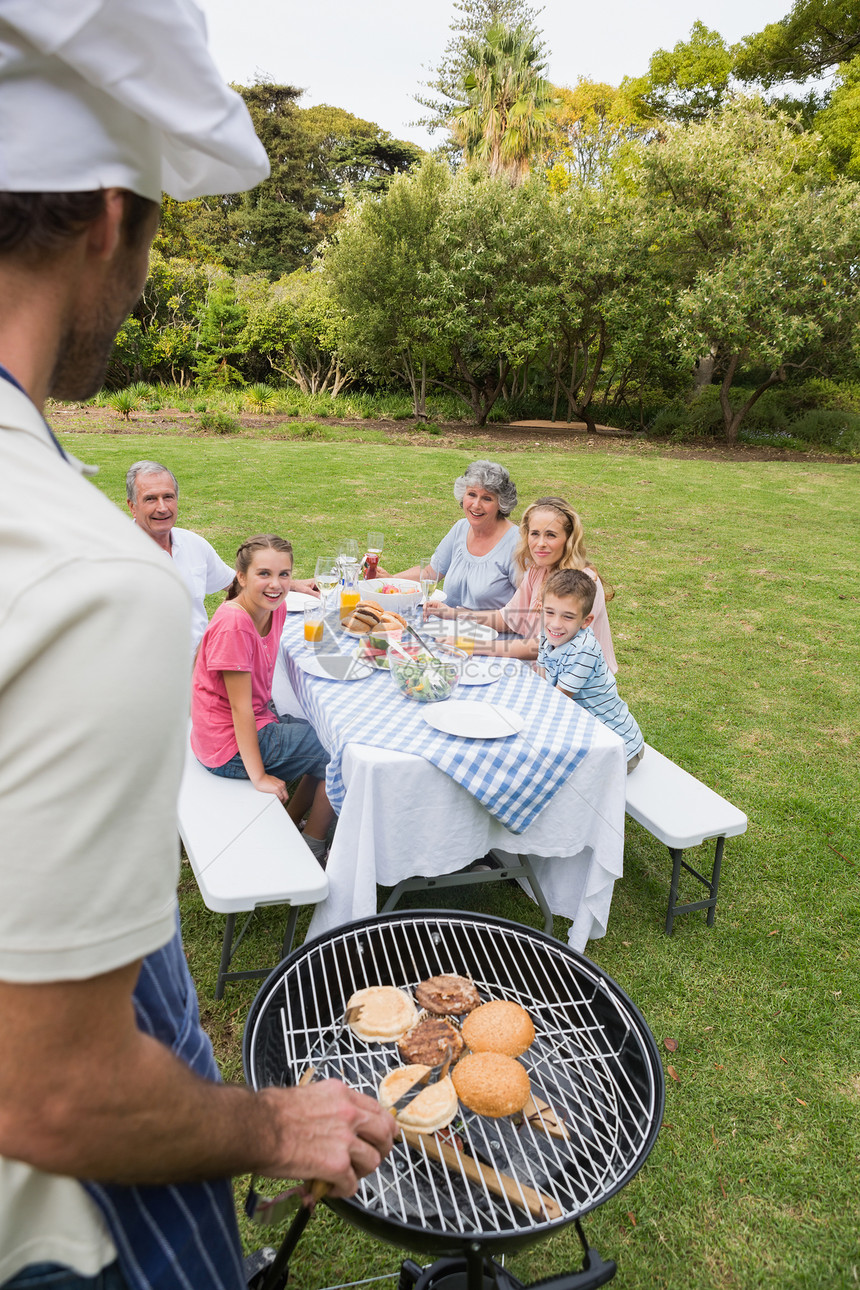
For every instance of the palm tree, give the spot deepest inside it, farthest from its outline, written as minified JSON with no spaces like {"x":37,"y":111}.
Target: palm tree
{"x":506,"y":119}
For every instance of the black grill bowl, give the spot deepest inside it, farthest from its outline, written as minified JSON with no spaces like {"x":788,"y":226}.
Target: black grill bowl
{"x":594,"y":1060}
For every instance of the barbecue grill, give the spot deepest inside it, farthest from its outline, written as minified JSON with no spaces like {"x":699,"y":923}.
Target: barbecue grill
{"x":593,"y":1066}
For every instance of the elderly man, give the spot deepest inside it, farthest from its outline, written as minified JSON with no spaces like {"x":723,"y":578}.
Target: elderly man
{"x":117,"y":1139}
{"x":152,"y":494}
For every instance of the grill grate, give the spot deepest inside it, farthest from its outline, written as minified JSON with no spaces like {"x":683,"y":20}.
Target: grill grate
{"x":593,"y":1061}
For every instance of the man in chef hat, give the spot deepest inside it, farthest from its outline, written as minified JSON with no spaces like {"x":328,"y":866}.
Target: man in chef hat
{"x":116,"y":1138}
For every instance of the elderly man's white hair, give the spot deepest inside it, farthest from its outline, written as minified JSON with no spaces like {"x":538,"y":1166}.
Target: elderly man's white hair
{"x":118,"y":94}
{"x":145,"y":468}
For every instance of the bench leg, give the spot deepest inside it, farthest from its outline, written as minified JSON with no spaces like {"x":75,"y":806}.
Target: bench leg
{"x":290,"y":932}
{"x":715,"y":879}
{"x":712,"y":884}
{"x":226,"y":955}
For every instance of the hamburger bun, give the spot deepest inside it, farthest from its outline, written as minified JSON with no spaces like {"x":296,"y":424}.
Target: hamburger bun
{"x":499,"y":1027}
{"x":433,"y":1106}
{"x":386,"y":1014}
{"x":363,"y":617}
{"x":491,"y":1084}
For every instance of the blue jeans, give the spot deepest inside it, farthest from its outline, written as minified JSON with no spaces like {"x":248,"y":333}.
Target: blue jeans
{"x":289,"y":749}
{"x":54,"y":1276}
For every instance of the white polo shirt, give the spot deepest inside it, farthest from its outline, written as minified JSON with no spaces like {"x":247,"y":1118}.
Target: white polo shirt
{"x":94,"y":629}
{"x":203,"y":572}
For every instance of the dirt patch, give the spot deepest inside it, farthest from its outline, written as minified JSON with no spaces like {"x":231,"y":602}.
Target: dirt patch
{"x":518,"y":436}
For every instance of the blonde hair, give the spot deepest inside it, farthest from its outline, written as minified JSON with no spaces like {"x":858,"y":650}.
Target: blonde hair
{"x":574,"y":555}
{"x":246,"y":552}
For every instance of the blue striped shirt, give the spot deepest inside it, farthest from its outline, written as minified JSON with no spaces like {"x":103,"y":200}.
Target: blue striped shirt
{"x":580,"y":668}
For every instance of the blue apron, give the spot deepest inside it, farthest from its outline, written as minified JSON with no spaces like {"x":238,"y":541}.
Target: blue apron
{"x":181,"y":1236}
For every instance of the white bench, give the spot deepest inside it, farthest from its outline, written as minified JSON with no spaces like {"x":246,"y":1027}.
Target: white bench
{"x":682,"y":812}
{"x":245,"y":852}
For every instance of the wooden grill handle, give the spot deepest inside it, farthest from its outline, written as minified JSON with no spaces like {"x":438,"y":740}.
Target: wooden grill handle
{"x":537,"y":1204}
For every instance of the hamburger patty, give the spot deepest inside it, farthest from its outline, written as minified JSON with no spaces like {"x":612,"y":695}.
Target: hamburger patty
{"x":447,"y":995}
{"x":428,"y":1042}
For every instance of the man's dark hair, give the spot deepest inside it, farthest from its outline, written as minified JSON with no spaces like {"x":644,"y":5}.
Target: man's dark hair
{"x":33,"y":224}
{"x":575,"y":583}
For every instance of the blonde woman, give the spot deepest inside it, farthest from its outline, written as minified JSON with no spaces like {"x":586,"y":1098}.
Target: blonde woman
{"x":551,"y":537}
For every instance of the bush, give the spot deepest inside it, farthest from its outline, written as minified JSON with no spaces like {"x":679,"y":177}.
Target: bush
{"x":124,"y":402}
{"x":673,"y":419}
{"x":262,"y":398}
{"x":828,"y":428}
{"x":219,"y":422}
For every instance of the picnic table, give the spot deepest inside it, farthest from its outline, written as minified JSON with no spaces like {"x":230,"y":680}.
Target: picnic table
{"x":414,"y":801}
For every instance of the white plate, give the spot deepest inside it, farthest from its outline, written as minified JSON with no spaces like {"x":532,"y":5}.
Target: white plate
{"x":332,"y":667}
{"x":296,"y":601}
{"x":437,"y":595}
{"x":472,"y":719}
{"x":482,"y":671}
{"x":443,"y":628}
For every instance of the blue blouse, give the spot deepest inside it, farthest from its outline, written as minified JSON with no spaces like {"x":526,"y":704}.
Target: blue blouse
{"x":476,"y":581}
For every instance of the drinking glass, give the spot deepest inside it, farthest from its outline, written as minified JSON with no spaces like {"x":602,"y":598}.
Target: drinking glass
{"x":427,"y":578}
{"x":349,"y":593}
{"x":314,"y":625}
{"x":374,"y":544}
{"x":347,"y":552}
{"x":327,"y":577}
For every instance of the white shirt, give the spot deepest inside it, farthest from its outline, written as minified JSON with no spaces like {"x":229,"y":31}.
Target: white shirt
{"x":203,"y":572}
{"x":93,"y":687}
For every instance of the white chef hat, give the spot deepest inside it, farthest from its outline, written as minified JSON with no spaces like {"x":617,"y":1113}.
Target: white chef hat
{"x":118,"y":93}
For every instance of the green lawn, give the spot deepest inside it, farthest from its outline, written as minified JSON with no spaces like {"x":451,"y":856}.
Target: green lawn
{"x":735,"y":626}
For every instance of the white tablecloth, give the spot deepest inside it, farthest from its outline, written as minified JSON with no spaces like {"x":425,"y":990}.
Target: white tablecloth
{"x":402,"y":817}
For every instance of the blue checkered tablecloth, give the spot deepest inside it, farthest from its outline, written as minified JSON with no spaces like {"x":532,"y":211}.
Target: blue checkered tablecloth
{"x":513,"y":777}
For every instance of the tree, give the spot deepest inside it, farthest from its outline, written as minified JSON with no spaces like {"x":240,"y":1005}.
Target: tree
{"x":687,"y":83}
{"x":316,"y":155}
{"x":762,"y":254}
{"x":814,"y":36}
{"x":375,"y":266}
{"x":505,"y":120}
{"x":839,"y":123}
{"x":590,"y":123}
{"x":295,"y":325}
{"x":218,"y":336}
{"x":488,"y":296}
{"x":473,"y":20}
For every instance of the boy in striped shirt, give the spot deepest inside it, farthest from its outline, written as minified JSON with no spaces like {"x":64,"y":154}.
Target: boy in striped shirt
{"x":570,"y":658}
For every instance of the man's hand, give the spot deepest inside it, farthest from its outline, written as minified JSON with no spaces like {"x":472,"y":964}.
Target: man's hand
{"x":84,"y":1093}
{"x":328,"y":1132}
{"x":306,"y":586}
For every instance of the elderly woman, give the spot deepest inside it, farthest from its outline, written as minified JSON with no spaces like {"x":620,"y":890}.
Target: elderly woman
{"x":550,"y":537}
{"x":476,"y":558}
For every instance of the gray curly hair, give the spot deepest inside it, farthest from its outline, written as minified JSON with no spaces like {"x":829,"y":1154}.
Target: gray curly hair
{"x":493,"y":477}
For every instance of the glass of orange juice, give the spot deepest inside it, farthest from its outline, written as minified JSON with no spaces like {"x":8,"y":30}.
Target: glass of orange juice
{"x":349,"y":593}
{"x":314,"y":625}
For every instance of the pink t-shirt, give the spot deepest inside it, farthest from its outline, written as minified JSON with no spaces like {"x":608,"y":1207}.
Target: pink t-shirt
{"x":522,"y":612}
{"x":231,"y":643}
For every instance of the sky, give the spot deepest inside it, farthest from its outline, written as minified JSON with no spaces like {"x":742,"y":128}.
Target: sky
{"x":370,"y":57}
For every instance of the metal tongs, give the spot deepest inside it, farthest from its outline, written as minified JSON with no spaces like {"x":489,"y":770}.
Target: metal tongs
{"x":431,"y":1076}
{"x":269,"y":1211}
